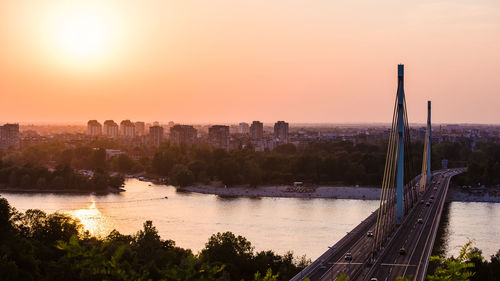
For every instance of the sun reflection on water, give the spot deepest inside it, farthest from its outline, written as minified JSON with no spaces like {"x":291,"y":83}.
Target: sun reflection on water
{"x":91,"y":219}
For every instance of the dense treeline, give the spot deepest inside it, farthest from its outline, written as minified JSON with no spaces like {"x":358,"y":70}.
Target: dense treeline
{"x":483,"y":166}
{"x":61,"y":178}
{"x":317,"y":163}
{"x":88,"y":157}
{"x":37,"y":246}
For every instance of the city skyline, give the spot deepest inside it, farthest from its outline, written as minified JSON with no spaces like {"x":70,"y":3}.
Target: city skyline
{"x":298,"y":136}
{"x":195,"y":62}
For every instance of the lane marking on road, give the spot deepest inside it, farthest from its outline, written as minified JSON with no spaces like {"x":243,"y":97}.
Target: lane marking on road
{"x":333,"y":263}
{"x":397,"y":264}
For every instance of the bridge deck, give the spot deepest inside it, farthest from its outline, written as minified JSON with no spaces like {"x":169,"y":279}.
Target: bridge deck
{"x":417,"y":239}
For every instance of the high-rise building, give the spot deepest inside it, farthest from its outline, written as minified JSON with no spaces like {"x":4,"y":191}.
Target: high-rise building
{"x":9,"y":136}
{"x":127,"y":129}
{"x":243,"y":128}
{"x":182,"y":134}
{"x":139,"y":128}
{"x":94,"y":128}
{"x":218,"y":136}
{"x":156,"y":135}
{"x":110,"y":129}
{"x":257,"y":130}
{"x":281,"y":132}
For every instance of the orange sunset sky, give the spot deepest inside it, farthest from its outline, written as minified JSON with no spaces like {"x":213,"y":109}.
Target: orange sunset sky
{"x":231,"y":61}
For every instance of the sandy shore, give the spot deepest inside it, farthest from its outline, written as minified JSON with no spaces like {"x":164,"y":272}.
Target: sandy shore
{"x":363,"y":193}
{"x":367,"y":193}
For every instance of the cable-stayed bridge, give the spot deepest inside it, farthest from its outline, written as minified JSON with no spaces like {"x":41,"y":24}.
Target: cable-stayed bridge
{"x":397,"y":239}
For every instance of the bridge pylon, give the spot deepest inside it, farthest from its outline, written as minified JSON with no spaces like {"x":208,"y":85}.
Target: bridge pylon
{"x":401,"y":147}
{"x":426,"y":159}
{"x":397,"y":196}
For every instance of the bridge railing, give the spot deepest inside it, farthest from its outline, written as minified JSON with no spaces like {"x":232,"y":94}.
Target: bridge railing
{"x":353,"y":234}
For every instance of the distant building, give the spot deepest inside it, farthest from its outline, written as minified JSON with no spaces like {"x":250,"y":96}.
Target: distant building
{"x":139,"y":128}
{"x":156,"y":135}
{"x":243,"y":128}
{"x":281,"y":132}
{"x":182,"y":134}
{"x":94,"y":128}
{"x":218,"y":136}
{"x":257,"y":130}
{"x":110,"y":129}
{"x":9,"y":136}
{"x":127,"y":129}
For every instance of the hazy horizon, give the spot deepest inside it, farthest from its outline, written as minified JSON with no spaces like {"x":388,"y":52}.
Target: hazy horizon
{"x":83,"y":123}
{"x":230,"y":61}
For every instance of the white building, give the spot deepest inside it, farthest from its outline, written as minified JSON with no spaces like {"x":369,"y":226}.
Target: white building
{"x":94,"y":128}
{"x":110,"y":129}
{"x":243,"y":128}
{"x":127,"y":129}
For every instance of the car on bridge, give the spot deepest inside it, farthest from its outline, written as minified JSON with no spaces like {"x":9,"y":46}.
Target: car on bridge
{"x":348,"y":256}
{"x":369,"y":233}
{"x":420,"y":221}
{"x":402,"y":251}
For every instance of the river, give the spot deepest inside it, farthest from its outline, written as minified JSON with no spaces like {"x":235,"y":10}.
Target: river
{"x":306,"y":226}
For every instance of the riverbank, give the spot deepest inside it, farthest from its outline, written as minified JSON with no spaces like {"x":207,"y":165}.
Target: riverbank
{"x":458,"y":195}
{"x":335,"y":192}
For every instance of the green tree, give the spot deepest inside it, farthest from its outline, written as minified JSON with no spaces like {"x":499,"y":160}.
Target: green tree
{"x":181,"y":175}
{"x":26,"y":181}
{"x":41,"y":182}
{"x":455,"y":269}
{"x":124,"y":164}
{"x":228,"y":171}
{"x":66,"y":157}
{"x":268,"y":277}
{"x":288,"y":148}
{"x":235,"y":252}
{"x":99,"y":159}
{"x":253,"y":173}
{"x":57,"y":182}
{"x":100,"y":181}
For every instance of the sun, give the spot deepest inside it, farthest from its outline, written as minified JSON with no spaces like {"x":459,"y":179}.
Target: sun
{"x":81,"y":34}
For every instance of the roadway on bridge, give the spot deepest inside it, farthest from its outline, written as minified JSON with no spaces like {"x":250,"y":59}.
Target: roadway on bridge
{"x":417,"y":239}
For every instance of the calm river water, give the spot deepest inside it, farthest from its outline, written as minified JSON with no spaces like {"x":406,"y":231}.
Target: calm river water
{"x":306,"y":226}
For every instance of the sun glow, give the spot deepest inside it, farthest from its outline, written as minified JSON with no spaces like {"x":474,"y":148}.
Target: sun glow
{"x":82,"y":34}
{"x":91,"y":219}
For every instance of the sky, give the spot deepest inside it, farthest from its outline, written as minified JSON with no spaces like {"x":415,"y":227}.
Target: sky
{"x":311,"y":61}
